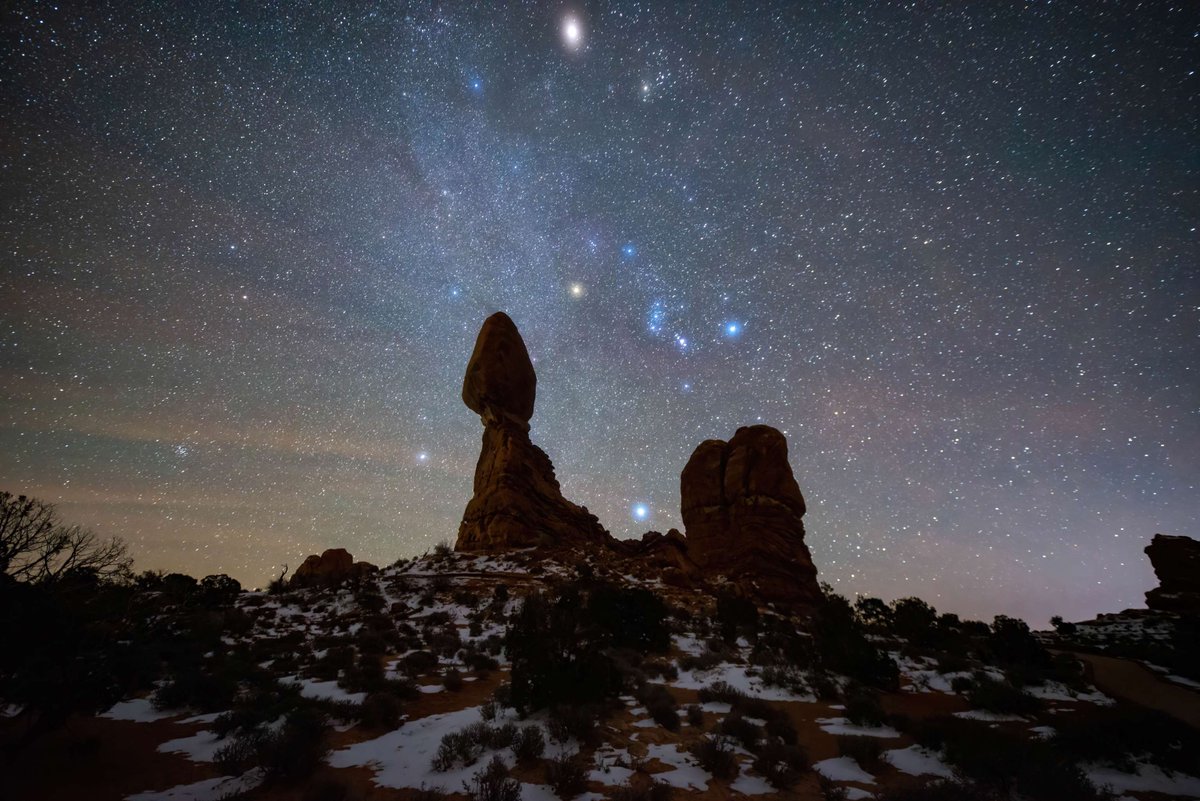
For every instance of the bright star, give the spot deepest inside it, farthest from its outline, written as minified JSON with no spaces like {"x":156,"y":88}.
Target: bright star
{"x":628,"y":251}
{"x":422,"y":457}
{"x":572,"y":33}
{"x":732,"y":329}
{"x":640,"y":512}
{"x":577,"y":290}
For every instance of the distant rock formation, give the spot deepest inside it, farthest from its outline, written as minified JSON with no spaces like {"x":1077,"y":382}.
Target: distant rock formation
{"x":517,"y":501}
{"x":332,"y":567}
{"x":1176,"y":562}
{"x":743,"y":510}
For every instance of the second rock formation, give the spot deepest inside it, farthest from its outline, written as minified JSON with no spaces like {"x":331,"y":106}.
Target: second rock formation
{"x":743,"y":510}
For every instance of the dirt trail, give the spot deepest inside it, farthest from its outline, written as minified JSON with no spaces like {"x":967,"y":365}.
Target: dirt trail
{"x":1131,"y":681}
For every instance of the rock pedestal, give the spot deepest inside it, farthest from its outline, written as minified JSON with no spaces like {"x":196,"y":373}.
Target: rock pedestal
{"x":743,"y":510}
{"x":517,"y":502}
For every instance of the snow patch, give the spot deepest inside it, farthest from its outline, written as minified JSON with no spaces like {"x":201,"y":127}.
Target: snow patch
{"x":139,"y":710}
{"x":918,"y":761}
{"x":205,"y":790}
{"x":843,"y":769}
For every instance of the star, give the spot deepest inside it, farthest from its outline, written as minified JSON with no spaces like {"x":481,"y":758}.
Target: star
{"x":731,"y":329}
{"x":577,"y":290}
{"x":572,"y":32}
{"x":640,"y":512}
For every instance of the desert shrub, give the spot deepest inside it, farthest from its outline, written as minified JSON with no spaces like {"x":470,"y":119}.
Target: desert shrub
{"x":529,"y":744}
{"x":443,"y":550}
{"x":367,"y":675}
{"x":782,"y":729}
{"x":489,"y":710}
{"x":567,"y":776}
{"x":939,"y":790}
{"x":962,"y":684}
{"x":1008,"y":763}
{"x":1011,"y":642}
{"x":695,"y":715}
{"x":445,"y":642}
{"x":206,"y":688}
{"x":1119,"y":734}
{"x":478,"y":661}
{"x":780,"y":765}
{"x":578,"y":722}
{"x":736,"y":727}
{"x":721,"y":692}
{"x":661,"y":705}
{"x":736,"y":615}
{"x":863,"y":707}
{"x":952,"y":662}
{"x":873,"y":613}
{"x":326,"y":789}
{"x":653,"y":790}
{"x":831,"y":791}
{"x":493,"y":784}
{"x":785,"y":677}
{"x":452,"y":680}
{"x":298,"y":748}
{"x":559,"y":648}
{"x":822,"y":685}
{"x":866,"y":751}
{"x":707,"y":660}
{"x":239,"y":754}
{"x":419,"y":662}
{"x":842,"y":646}
{"x":380,"y":710}
{"x":467,"y":744}
{"x":220,"y":589}
{"x":914,"y":620}
{"x":657,"y":668}
{"x":455,"y":748}
{"x":1002,"y":697}
{"x":715,"y":755}
{"x":629,"y":617}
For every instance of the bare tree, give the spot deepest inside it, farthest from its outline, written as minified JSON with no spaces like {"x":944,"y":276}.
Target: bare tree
{"x":35,"y":546}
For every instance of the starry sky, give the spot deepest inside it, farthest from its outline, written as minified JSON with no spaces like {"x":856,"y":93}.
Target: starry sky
{"x":950,"y":249}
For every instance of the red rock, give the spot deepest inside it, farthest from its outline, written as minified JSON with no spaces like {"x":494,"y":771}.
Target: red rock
{"x":331,"y":567}
{"x":500,"y":380}
{"x":1176,"y":562}
{"x":743,"y":510}
{"x":517,"y":500}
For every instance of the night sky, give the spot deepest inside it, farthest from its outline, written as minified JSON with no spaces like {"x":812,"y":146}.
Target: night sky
{"x":950,"y":249}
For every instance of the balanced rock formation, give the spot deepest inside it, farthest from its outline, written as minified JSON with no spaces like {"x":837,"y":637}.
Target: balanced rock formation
{"x":1176,"y":562}
{"x":517,"y":501}
{"x":743,"y":511}
{"x":332,"y":567}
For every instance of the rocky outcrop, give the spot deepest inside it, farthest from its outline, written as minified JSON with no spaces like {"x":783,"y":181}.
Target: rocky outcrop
{"x":517,"y":501}
{"x":332,"y":567}
{"x":743,"y":510}
{"x":1176,"y":562}
{"x":665,"y":555}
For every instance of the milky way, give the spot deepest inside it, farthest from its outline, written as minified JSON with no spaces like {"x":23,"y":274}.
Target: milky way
{"x":950,"y":250}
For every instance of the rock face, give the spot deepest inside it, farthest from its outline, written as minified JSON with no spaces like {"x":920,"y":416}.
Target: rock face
{"x":1176,"y":562}
{"x":517,"y":501}
{"x":743,"y":511}
{"x":332,"y":567}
